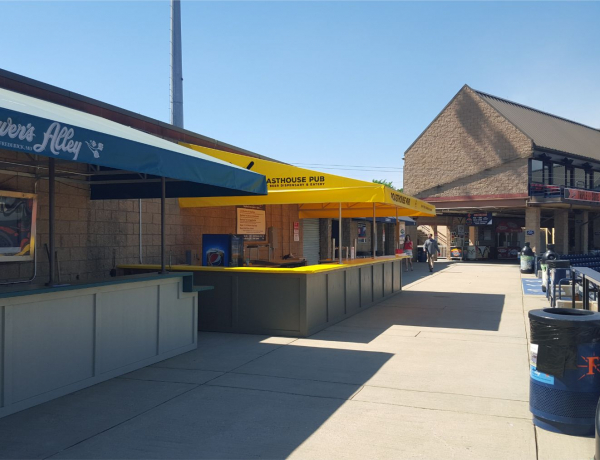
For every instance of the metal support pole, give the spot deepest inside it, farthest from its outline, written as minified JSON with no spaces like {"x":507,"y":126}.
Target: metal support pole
{"x":163,"y":183}
{"x":586,"y":293}
{"x":52,"y":219}
{"x":397,"y":245}
{"x":340,"y":235}
{"x":374,"y":232}
{"x":140,"y":232}
{"x":573,"y":284}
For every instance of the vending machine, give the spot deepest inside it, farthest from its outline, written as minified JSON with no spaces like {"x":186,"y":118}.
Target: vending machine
{"x":222,"y":250}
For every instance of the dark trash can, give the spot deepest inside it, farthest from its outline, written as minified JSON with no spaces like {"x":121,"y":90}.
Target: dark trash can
{"x":564,"y":385}
{"x":597,"y":454}
{"x":421,"y":257}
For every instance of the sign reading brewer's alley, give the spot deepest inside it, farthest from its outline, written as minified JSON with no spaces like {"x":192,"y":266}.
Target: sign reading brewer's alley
{"x":36,"y":135}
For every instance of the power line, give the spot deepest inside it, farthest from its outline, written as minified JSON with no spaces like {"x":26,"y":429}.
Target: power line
{"x":362,"y":169}
{"x":389,"y":168}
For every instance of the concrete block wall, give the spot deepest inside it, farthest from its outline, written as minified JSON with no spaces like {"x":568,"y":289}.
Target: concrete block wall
{"x":325,"y":244}
{"x":89,"y":232}
{"x":469,"y":149}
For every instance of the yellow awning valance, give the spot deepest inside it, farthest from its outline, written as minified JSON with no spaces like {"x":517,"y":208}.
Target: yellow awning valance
{"x":317,"y":194}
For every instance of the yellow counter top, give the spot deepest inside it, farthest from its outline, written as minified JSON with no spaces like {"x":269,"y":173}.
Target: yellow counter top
{"x":298,"y":270}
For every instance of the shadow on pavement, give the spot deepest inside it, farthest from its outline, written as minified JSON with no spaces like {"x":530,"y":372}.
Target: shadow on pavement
{"x":421,"y":308}
{"x":421,"y":270}
{"x":265,"y":405}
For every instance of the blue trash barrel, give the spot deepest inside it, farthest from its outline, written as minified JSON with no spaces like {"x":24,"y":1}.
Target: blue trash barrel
{"x":597,"y":454}
{"x":564,"y":386}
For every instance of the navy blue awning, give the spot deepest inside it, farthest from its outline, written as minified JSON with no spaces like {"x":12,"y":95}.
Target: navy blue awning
{"x":37,"y":127}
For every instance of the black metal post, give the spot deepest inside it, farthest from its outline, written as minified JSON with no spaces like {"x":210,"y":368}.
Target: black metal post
{"x":52,"y":219}
{"x":374,"y":232}
{"x":573,"y":292}
{"x":586,"y":293}
{"x":163,"y":184}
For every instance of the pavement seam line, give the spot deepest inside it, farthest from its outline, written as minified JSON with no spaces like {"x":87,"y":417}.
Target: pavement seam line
{"x":378,"y":386}
{"x":433,"y":330}
{"x":184,"y":369}
{"x":356,"y":392}
{"x":368,"y":402}
{"x":440,"y":410}
{"x":537,"y":449}
{"x":121,"y":423}
{"x":467,"y":340}
{"x":527,"y":346}
{"x":261,"y":356}
{"x":280,"y":392}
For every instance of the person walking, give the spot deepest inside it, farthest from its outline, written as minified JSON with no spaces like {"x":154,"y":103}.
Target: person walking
{"x":432,"y":249}
{"x":408,"y":250}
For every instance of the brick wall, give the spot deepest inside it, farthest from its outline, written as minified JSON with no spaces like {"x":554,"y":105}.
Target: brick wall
{"x":469,"y":149}
{"x":88,"y":232}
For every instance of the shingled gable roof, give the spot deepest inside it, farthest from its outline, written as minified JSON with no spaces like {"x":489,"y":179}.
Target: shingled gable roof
{"x":546,"y":131}
{"x":549,"y":131}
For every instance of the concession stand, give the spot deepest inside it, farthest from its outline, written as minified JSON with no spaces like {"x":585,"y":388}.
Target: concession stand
{"x":58,"y":338}
{"x":303,"y":300}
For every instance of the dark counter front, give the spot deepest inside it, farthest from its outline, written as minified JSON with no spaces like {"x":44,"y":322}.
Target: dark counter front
{"x":295,"y":302}
{"x":58,"y":340}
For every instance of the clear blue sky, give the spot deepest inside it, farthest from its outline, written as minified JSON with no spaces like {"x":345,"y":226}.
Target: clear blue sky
{"x":331,"y":83}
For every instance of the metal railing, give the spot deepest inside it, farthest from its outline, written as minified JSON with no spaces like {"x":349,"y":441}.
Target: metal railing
{"x":585,"y":276}
{"x":546,"y":191}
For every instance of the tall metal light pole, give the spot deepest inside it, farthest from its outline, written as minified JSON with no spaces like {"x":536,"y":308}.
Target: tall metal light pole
{"x":176,"y":112}
{"x":176,"y":66}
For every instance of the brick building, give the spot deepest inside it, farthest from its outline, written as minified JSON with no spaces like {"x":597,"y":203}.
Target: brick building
{"x":92,"y":236}
{"x":531,"y":175}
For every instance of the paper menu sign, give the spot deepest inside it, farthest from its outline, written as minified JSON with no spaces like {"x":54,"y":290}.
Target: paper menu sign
{"x":533,"y":353}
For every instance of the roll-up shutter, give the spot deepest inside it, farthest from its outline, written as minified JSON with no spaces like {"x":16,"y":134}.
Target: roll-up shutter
{"x":310,"y":229}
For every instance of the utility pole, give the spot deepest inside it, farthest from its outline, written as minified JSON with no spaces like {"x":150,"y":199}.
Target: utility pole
{"x":176,"y":66}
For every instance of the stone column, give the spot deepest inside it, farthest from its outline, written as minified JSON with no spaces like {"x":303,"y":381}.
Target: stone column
{"x":584,"y":232}
{"x":532,"y":224}
{"x":596,"y":225}
{"x":473,"y":235}
{"x":561,"y":230}
{"x":577,"y":235}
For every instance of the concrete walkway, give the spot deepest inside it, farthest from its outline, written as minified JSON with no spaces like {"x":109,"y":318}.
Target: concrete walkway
{"x":438,"y":371}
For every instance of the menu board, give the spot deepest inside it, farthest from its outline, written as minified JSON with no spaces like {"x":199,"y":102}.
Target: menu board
{"x":252,"y":222}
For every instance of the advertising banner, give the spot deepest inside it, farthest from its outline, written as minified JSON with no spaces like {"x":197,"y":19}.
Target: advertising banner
{"x":362,"y":232}
{"x":17,"y":226}
{"x":482,"y":218}
{"x":581,"y":195}
{"x":508,"y":226}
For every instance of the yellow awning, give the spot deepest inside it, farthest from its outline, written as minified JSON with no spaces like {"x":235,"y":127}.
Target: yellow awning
{"x":317,"y":194}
